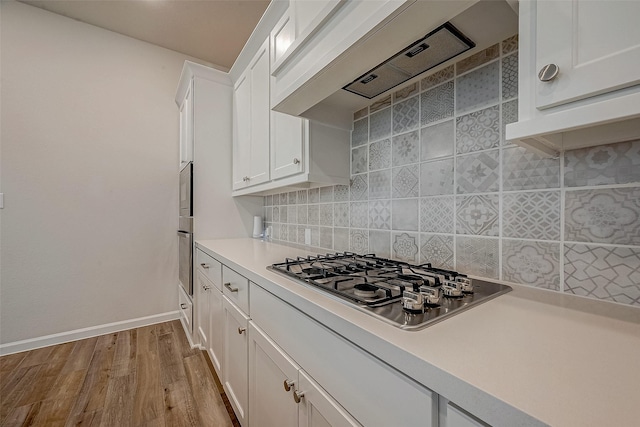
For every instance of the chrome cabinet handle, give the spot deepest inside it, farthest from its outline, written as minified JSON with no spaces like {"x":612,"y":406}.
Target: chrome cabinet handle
{"x":297,"y":396}
{"x":183,"y":306}
{"x":205,"y":266}
{"x":206,"y":287}
{"x":296,"y":161}
{"x":288,"y":385}
{"x":548,"y":72}
{"x":228,"y":286}
{"x":241,"y":330}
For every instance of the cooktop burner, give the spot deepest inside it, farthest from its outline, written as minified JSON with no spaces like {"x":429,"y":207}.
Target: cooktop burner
{"x":405,"y":295}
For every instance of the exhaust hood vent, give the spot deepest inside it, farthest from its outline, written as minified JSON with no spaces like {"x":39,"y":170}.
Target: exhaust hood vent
{"x":440,"y":45}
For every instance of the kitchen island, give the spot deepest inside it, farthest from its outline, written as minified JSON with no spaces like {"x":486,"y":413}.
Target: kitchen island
{"x":529,"y":357}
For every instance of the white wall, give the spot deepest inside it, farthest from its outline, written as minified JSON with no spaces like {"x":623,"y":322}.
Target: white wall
{"x":89,"y":171}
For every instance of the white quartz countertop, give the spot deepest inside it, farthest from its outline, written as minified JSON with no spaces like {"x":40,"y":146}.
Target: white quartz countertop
{"x":529,"y":357}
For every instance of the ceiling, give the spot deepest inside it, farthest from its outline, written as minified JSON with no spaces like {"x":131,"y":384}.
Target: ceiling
{"x":213,"y":31}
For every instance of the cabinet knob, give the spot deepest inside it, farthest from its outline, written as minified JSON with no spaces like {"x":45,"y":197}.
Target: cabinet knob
{"x":183,"y":306}
{"x":205,"y":266}
{"x":206,"y":287}
{"x":296,"y":161}
{"x":288,"y":385}
{"x":297,"y":396}
{"x":548,"y":72}
{"x":246,"y":179}
{"x":228,"y":286}
{"x":241,"y":330}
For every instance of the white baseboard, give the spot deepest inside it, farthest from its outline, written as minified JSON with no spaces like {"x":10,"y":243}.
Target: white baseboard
{"x":79,"y":334}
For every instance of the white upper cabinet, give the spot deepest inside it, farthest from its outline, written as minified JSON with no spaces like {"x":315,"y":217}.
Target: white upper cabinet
{"x":288,"y":135}
{"x":579,"y":78}
{"x":251,"y":122}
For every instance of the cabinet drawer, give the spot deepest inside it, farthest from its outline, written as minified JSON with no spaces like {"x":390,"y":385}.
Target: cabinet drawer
{"x":210,"y":267}
{"x":344,"y":370}
{"x":236,"y":288}
{"x":186,"y":309}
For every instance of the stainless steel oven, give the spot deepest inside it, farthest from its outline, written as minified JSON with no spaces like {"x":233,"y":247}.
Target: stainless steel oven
{"x":185,"y":229}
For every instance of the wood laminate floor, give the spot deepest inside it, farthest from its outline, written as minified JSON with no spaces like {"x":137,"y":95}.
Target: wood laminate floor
{"x":140,"y":377}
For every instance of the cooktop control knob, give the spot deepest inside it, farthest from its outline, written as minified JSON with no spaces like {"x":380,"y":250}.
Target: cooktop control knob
{"x":467,"y":284}
{"x":452,"y":289}
{"x":413,"y":302}
{"x":431,"y":295}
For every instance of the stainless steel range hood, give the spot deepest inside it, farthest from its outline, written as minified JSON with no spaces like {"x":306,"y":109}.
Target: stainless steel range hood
{"x":440,"y":45}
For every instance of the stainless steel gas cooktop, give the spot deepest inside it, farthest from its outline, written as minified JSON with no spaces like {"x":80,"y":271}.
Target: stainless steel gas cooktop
{"x":407,"y":296}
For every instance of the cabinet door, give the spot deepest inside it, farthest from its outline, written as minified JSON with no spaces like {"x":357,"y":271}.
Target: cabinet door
{"x":202,"y":295}
{"x":186,"y":127}
{"x":317,"y":408}
{"x":269,"y":368}
{"x":287,"y":145}
{"x":260,"y":116}
{"x":241,"y":132}
{"x":216,"y":336}
{"x":234,"y":370}
{"x":596,"y":44}
{"x":452,"y":416}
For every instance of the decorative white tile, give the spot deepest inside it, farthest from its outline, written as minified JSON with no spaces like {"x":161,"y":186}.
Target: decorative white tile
{"x":405,"y":148}
{"x":292,"y":214}
{"x":510,"y":45}
{"x":437,"y":250}
{"x":341,"y":193}
{"x":406,"y":92}
{"x":314,"y":215}
{"x":531,"y":263}
{"x":302,"y":196}
{"x":606,"y":216}
{"x":341,"y":214}
{"x":405,"y":181}
{"x":380,"y":104}
{"x":478,"y":88}
{"x":380,"y":184}
{"x":510,"y":76}
{"x":437,"y":103}
{"x":268,"y":200}
{"x":405,"y":247}
{"x":404,"y":215}
{"x":293,"y":198}
{"x":608,"y":273}
{"x":341,"y":239}
{"x":300,"y":233}
{"x":359,"y":240}
{"x":380,"y":125}
{"x":360,"y":132}
{"x":359,"y":161}
{"x":360,"y":113}
{"x":606,"y":164}
{"x":268,"y":214}
{"x":406,"y":115}
{"x":314,"y":195}
{"x":326,"y":214}
{"x":326,"y":194}
{"x":359,"y":187}
{"x":525,"y":170}
{"x":284,"y":232}
{"x":478,"y":214}
{"x":380,"y":214}
{"x":302,"y":214}
{"x":509,"y":115}
{"x":437,"y":78}
{"x":326,"y":237}
{"x":276,"y":214}
{"x":532,"y":215}
{"x":478,"y":173}
{"x":436,"y":178}
{"x":283,"y":214}
{"x":436,"y":214}
{"x":292,"y":233}
{"x":359,"y":214}
{"x":380,"y":154}
{"x":477,"y":256}
{"x":315,"y":236}
{"x":437,"y":140}
{"x":479,"y":130}
{"x":477,"y":59}
{"x":380,"y":243}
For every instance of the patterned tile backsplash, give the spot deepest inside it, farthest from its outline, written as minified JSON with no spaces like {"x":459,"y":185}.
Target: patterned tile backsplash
{"x":434,"y":180}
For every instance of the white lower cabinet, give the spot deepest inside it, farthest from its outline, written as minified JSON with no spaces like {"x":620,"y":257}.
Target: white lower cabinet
{"x":453,"y":416}
{"x":282,"y":394}
{"x":235,"y":361}
{"x":208,"y":299}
